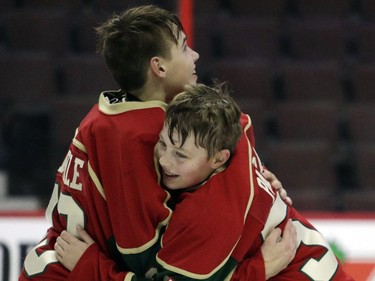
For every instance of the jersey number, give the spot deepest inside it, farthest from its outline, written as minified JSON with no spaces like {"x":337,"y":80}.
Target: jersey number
{"x":323,"y":268}
{"x":36,"y":263}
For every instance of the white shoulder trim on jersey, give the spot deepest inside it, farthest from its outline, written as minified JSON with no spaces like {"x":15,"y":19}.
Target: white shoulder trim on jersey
{"x":116,"y":108}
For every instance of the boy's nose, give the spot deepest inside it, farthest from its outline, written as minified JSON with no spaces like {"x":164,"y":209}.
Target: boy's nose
{"x":163,"y":161}
{"x":196,"y":55}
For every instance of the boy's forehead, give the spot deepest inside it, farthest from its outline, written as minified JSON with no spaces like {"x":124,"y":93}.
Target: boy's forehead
{"x":175,"y":134}
{"x":179,"y":34}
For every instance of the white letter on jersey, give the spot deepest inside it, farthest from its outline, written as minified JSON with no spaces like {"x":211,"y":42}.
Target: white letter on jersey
{"x":66,"y":167}
{"x":78,"y":163}
{"x":263,"y":183}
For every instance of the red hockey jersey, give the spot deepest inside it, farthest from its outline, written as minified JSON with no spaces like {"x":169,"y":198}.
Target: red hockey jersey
{"x":224,"y":223}
{"x":108,"y":184}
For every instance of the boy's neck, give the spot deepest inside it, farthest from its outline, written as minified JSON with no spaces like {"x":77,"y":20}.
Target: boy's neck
{"x":152,"y":90}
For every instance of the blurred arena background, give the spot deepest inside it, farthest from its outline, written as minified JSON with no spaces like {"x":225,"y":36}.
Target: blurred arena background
{"x":303,"y":70}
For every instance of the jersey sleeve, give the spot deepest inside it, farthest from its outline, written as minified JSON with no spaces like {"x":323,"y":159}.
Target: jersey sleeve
{"x":108,"y":185}
{"x":251,"y":268}
{"x":95,"y":266}
{"x":124,"y":164}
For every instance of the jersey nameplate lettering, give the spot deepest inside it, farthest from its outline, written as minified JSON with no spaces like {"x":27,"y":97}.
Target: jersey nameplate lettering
{"x":71,"y":173}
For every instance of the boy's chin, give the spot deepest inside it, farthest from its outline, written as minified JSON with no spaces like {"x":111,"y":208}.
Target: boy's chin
{"x":171,"y":187}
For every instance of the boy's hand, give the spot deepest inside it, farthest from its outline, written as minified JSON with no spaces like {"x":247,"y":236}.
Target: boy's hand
{"x":69,"y":249}
{"x":276,"y":184}
{"x":278,"y":249}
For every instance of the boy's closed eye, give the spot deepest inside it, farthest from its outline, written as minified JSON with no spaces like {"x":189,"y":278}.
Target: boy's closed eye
{"x":181,"y":155}
{"x":161,"y":143}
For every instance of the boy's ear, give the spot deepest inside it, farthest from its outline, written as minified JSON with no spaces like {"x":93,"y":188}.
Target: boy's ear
{"x":220,"y":158}
{"x":157,"y":66}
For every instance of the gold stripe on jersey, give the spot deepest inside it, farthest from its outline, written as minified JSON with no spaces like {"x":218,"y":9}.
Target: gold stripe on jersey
{"x":78,"y":144}
{"x":96,"y":181}
{"x":192,"y":275}
{"x":129,"y":276}
{"x":149,"y":244}
{"x":229,"y":277}
{"x":250,"y":168}
{"x":92,"y":174}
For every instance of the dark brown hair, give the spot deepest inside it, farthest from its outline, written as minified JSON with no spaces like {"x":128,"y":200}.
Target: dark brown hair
{"x":207,"y":112}
{"x":128,"y":41}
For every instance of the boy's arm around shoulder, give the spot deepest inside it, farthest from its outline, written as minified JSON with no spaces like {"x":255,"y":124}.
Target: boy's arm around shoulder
{"x":277,"y":251}
{"x":84,"y":259}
